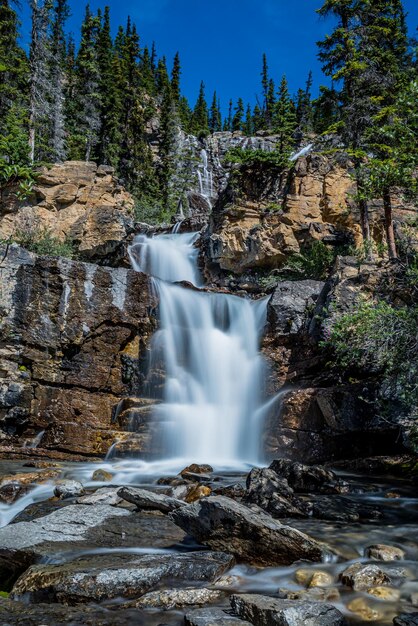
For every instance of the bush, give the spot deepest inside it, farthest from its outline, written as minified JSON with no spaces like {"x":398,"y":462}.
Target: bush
{"x":250,"y":157}
{"x":383,"y":340}
{"x":42,"y":241}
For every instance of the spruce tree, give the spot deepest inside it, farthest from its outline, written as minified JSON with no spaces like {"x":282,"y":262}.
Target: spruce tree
{"x":248,"y":126}
{"x":147,"y":72}
{"x":237,"y":120}
{"x":175,"y":78}
{"x":13,"y":63}
{"x":265,"y":83}
{"x":162,"y":78}
{"x":284,"y":120}
{"x":200,"y":119}
{"x":304,"y":111}
{"x":215,"y":119}
{"x":167,"y":147}
{"x":228,"y":120}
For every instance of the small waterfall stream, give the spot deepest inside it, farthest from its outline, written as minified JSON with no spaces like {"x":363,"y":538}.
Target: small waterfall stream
{"x":212,"y":404}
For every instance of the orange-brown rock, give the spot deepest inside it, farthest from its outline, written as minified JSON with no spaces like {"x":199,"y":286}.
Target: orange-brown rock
{"x":74,"y":201}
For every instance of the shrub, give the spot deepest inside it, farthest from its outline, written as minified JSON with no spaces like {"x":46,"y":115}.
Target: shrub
{"x":43,"y":242}
{"x":250,"y":157}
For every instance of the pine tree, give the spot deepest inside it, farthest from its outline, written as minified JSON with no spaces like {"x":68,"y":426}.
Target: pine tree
{"x":215,"y":118}
{"x":88,"y":90}
{"x":248,"y":126}
{"x":265,"y":83}
{"x":162,"y":78}
{"x":238,"y":116}
{"x":40,"y":62}
{"x":304,"y":111}
{"x":200,"y":119}
{"x":61,"y":13}
{"x":270,"y":104}
{"x":228,"y":120}
{"x":284,"y":120}
{"x":167,"y":146}
{"x":147,"y":72}
{"x":175,"y":78}
{"x":13,"y":63}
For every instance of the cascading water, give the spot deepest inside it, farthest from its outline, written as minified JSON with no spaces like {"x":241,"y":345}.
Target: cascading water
{"x":212,"y":404}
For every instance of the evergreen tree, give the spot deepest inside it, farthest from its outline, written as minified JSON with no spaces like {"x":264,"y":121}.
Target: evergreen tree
{"x":228,"y":120}
{"x":13,"y":63}
{"x":147,"y":72}
{"x":326,"y":111}
{"x":215,"y":118}
{"x":284,"y":120}
{"x":61,"y":13}
{"x":270,"y":104}
{"x":237,"y":120}
{"x":248,"y":126}
{"x":200,"y":120}
{"x":87,"y":89}
{"x":304,"y":110}
{"x":258,"y":119}
{"x":167,"y":147}
{"x":162,"y":78}
{"x":265,"y":83}
{"x":175,"y":78}
{"x":40,"y":62}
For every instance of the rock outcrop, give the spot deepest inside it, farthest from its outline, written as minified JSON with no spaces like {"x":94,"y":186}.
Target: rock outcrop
{"x":75,"y":201}
{"x":74,"y":336}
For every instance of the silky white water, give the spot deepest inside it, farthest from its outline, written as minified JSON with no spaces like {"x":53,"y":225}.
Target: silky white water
{"x":208,"y":345}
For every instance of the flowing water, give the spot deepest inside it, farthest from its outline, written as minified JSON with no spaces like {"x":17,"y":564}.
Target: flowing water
{"x":208,"y":344}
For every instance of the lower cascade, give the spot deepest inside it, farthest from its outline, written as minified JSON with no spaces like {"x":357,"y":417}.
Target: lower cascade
{"x":208,"y":347}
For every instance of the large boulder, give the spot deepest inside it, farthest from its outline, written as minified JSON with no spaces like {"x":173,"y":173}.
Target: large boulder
{"x":223,"y":524}
{"x":290,"y":305}
{"x":147,"y":500}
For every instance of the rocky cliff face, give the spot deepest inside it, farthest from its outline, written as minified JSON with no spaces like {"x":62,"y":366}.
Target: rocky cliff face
{"x":77,"y":201}
{"x":74,"y":343}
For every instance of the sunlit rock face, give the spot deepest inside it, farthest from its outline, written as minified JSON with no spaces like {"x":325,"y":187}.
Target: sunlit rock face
{"x":74,"y":339}
{"x":75,"y":201}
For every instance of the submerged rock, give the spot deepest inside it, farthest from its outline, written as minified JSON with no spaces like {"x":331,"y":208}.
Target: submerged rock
{"x":364,"y":611}
{"x":100,"y":578}
{"x":381,"y":552}
{"x":149,"y":501}
{"x":223,"y":524}
{"x":361,"y":576}
{"x":266,"y":611}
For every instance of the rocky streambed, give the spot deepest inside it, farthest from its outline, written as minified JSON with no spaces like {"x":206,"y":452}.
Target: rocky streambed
{"x":288,"y":545}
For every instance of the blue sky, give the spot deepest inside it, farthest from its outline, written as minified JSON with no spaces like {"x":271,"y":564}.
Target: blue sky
{"x":222,"y":41}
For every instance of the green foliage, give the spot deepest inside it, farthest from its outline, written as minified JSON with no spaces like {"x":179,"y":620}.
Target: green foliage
{"x":15,"y":168}
{"x":42,"y":241}
{"x":314,"y":262}
{"x":251,"y":157}
{"x":380,"y":338}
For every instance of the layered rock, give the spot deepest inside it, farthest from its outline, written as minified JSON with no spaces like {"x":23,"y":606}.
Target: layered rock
{"x":74,"y":337}
{"x":74,"y":201}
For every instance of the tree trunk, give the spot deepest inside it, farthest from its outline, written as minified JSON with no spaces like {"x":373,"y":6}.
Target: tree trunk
{"x":390,"y":233}
{"x":32,"y":138}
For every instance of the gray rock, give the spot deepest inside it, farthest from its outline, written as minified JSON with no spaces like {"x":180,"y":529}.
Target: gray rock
{"x":149,"y":501}
{"x":223,"y":524}
{"x":406,"y":619}
{"x":266,"y":611}
{"x":178,"y":598}
{"x":381,"y":552}
{"x":66,"y":489}
{"x":98,"y":578}
{"x":273,"y":494}
{"x":361,"y":576}
{"x":105,"y":495}
{"x":308,"y":478}
{"x":289,"y":305}
{"x":212,"y":617}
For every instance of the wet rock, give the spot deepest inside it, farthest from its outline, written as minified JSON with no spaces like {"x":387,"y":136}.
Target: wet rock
{"x":308,"y":478}
{"x":66,"y":489}
{"x":406,"y":619}
{"x":266,"y":611}
{"x":10,"y":492}
{"x":235,"y":491}
{"x":212,"y":617}
{"x":102,"y":476}
{"x":361,"y":577}
{"x":105,"y":495}
{"x":343,"y":509}
{"x":197,"y":492}
{"x":31,"y":478}
{"x":317,"y":594}
{"x":223,"y":524}
{"x":195,"y":468}
{"x":363,"y":610}
{"x":385,"y":593}
{"x":149,"y":501}
{"x":381,"y":552}
{"x":22,"y":543}
{"x":273,"y":494}
{"x":312,"y":578}
{"x":102,"y":577}
{"x":178,"y":598}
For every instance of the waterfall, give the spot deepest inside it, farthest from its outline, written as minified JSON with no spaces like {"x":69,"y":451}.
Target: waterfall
{"x":205,"y":177}
{"x":208,"y":343}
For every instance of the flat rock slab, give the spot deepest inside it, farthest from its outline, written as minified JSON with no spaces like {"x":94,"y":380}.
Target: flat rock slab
{"x":98,"y":578}
{"x":226,"y":525}
{"x":179,"y":598}
{"x":149,"y":501}
{"x":267,"y":611}
{"x":212,"y":617}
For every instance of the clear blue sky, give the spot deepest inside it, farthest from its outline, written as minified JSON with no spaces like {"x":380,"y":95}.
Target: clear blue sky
{"x":222,"y":41}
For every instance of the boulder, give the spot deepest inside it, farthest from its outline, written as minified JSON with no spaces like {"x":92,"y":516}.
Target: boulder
{"x":406,"y":619}
{"x":361,"y":576}
{"x":212,"y":617}
{"x":272,"y":494}
{"x":381,"y":552}
{"x":223,"y":524}
{"x":102,"y":577}
{"x":65,"y":489}
{"x":290,"y":305}
{"x":266,"y":611}
{"x":307,"y":478}
{"x":149,"y":501}
{"x":168,"y":599}
{"x":106,"y":495}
